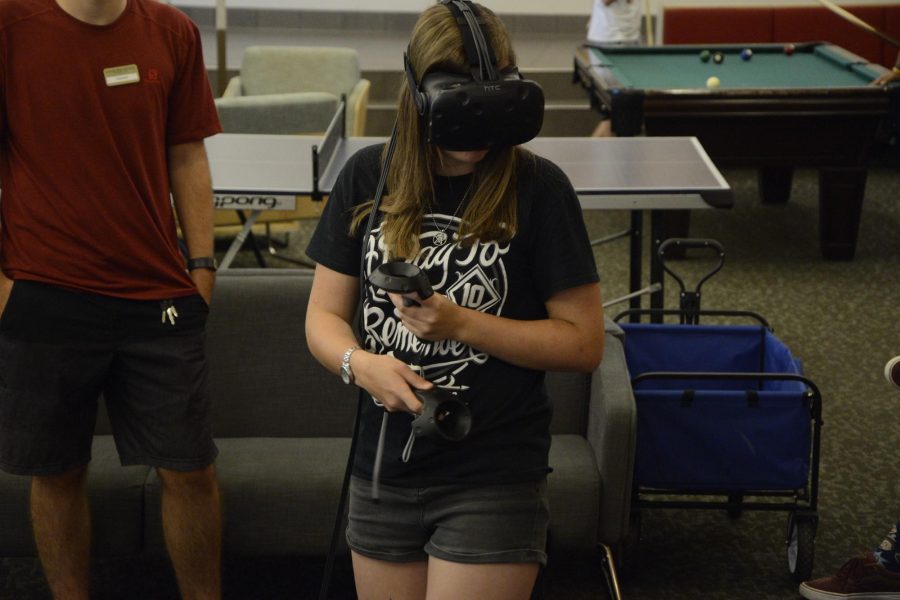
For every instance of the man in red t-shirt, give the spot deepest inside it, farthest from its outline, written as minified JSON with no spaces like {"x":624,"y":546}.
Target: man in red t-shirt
{"x":104,"y":106}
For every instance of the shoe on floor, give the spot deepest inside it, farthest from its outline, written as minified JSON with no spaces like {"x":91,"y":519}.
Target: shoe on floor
{"x":858,"y":579}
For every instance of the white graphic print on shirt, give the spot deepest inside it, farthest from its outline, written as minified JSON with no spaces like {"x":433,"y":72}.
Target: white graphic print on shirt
{"x":474,"y":277}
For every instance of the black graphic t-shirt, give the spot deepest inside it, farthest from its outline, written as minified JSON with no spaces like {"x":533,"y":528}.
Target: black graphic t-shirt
{"x":510,"y":438}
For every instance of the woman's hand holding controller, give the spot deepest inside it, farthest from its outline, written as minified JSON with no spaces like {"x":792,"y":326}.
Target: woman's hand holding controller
{"x":390,"y":381}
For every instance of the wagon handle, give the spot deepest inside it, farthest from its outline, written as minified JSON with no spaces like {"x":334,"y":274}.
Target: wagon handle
{"x":814,"y":389}
{"x":690,"y":301}
{"x":753,"y":316}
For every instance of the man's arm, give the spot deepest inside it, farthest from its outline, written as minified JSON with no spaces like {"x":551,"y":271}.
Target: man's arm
{"x":5,"y":286}
{"x":192,"y":192}
{"x":5,"y":289}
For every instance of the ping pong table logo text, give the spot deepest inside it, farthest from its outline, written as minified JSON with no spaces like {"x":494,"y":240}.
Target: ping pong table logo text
{"x":261,"y":202}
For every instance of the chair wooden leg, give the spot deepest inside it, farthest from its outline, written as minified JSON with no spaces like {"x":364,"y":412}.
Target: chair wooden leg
{"x":609,"y":572}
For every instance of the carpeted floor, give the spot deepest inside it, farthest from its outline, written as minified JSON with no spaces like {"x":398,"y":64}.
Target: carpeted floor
{"x":841,"y":318}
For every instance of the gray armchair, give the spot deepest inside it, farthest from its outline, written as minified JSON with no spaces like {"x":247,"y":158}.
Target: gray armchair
{"x":294,"y":90}
{"x":592,"y":456}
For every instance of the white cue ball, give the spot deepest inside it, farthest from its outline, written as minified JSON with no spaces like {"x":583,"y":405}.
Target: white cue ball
{"x":712,"y":83}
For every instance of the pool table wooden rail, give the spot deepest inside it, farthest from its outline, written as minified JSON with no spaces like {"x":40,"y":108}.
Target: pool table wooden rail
{"x":774,"y":130}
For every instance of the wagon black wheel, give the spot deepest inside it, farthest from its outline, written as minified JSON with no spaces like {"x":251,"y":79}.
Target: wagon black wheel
{"x":801,"y":547}
{"x":734,"y":513}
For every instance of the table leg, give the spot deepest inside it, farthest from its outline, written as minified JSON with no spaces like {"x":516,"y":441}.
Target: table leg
{"x":657,"y":227}
{"x":841,"y":193}
{"x":254,"y":245}
{"x":637,"y":245}
{"x":239,"y":240}
{"x":775,"y":184}
{"x":674,"y":224}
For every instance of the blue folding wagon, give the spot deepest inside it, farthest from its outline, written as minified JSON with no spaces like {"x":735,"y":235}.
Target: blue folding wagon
{"x":724,"y":414}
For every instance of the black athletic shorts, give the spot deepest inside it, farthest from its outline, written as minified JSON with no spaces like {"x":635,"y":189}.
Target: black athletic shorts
{"x":61,"y":349}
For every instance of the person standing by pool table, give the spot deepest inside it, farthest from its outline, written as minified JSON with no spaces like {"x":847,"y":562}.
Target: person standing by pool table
{"x":614,"y":22}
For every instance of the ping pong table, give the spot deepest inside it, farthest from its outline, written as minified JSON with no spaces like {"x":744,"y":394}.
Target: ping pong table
{"x":261,"y":172}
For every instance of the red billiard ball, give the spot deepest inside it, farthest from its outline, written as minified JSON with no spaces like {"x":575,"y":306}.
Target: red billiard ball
{"x":789,"y":49}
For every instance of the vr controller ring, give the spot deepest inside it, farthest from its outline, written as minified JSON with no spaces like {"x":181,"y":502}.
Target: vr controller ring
{"x":400,"y":277}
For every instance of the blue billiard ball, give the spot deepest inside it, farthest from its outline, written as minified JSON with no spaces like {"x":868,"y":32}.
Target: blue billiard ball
{"x":746,"y":54}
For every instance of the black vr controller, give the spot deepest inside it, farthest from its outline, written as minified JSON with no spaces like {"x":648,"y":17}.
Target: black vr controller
{"x":401,"y":277}
{"x":443,"y":417}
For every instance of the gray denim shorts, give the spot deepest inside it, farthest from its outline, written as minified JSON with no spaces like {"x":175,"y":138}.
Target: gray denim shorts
{"x":475,"y":524}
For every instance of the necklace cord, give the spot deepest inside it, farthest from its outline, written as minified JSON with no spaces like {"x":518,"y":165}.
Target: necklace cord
{"x":440,"y":237}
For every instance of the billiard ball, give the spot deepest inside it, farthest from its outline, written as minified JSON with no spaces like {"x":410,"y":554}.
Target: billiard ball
{"x":746,"y":54}
{"x":789,"y":49}
{"x":712,"y":83}
{"x":718,"y":57}
{"x":705,"y":56}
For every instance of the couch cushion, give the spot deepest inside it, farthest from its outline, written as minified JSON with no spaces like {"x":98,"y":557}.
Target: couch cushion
{"x":569,"y":395}
{"x":263,"y":380}
{"x":574,"y":487}
{"x":279,"y":496}
{"x":116,"y":498}
{"x":295,"y":113}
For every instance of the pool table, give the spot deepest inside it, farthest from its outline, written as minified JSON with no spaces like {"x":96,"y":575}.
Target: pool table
{"x":812,"y":108}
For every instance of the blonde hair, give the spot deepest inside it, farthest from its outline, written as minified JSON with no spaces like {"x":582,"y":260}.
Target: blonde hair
{"x":437,"y":45}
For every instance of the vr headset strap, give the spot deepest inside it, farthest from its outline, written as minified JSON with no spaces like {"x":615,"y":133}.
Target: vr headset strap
{"x":360,"y":397}
{"x":418,"y":97}
{"x":479,"y":52}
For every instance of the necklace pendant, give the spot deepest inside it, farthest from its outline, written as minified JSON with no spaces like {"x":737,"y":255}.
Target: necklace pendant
{"x":439,"y":238}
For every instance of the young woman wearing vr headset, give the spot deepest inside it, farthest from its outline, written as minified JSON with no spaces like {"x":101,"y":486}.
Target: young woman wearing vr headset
{"x":500,"y":234}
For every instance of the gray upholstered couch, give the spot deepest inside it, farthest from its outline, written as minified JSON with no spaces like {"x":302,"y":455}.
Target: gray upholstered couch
{"x":283,"y":423}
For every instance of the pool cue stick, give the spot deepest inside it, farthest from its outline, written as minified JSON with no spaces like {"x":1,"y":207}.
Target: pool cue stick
{"x":648,"y":24}
{"x":857,"y":21}
{"x":221,"y":49}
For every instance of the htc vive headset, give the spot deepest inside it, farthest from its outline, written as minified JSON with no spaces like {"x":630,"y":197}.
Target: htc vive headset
{"x":490,"y":107}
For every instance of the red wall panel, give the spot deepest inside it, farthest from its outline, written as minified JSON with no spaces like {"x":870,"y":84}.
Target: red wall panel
{"x":738,"y":25}
{"x":716,"y":25}
{"x":892,"y":28}
{"x":802,"y":24}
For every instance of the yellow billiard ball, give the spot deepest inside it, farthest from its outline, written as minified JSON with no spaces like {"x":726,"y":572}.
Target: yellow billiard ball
{"x":713,"y":83}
